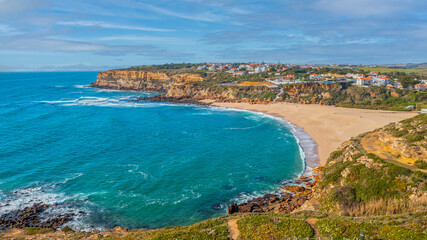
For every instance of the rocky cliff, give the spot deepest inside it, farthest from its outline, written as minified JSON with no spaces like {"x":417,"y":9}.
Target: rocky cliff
{"x":178,"y":87}
{"x":141,"y":80}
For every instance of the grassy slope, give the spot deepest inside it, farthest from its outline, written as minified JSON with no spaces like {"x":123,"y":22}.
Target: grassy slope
{"x":421,"y":71}
{"x":266,"y":226}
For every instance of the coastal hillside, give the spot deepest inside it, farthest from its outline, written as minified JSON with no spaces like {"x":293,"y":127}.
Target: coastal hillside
{"x":378,"y":173}
{"x":194,"y":85}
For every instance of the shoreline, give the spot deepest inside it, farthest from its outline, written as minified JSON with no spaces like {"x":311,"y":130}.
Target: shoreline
{"x":326,"y":126}
{"x":308,"y":147}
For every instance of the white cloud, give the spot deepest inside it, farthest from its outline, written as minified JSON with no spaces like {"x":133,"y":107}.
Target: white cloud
{"x":6,"y":28}
{"x":12,"y":7}
{"x":204,"y":16}
{"x":168,"y":40}
{"x":111,"y":25}
{"x":363,"y":8}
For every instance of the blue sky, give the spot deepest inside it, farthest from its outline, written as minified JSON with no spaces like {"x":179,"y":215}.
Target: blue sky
{"x":58,"y":35}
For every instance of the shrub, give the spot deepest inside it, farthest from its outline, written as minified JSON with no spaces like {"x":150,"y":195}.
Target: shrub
{"x":421,"y":164}
{"x":269,"y":95}
{"x":37,"y":230}
{"x":268,"y":227}
{"x":335,"y":154}
{"x":344,"y":229}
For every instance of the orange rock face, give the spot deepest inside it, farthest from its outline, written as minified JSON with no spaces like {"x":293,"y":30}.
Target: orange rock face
{"x":187,"y":77}
{"x":133,"y":74}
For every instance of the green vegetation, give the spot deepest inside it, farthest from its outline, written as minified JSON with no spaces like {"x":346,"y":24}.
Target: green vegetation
{"x":388,"y":228}
{"x":384,"y":70}
{"x":347,"y":95}
{"x":215,"y":228}
{"x":421,"y":164}
{"x":273,"y":227}
{"x":37,"y":230}
{"x":411,"y":130}
{"x":164,"y":66}
{"x":269,"y":95}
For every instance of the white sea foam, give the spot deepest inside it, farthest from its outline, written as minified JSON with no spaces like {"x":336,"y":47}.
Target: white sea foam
{"x":243,"y":128}
{"x":72,"y":178}
{"x":108,"y":102}
{"x":27,"y":197}
{"x":60,"y":203}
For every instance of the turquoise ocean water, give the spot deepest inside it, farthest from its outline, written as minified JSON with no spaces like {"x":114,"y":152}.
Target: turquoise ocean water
{"x":114,"y":161}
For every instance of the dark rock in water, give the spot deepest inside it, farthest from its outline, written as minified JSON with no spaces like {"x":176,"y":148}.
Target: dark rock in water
{"x":216,"y":206}
{"x":233,"y":208}
{"x":227,"y":187}
{"x":31,"y":217}
{"x":163,"y":98}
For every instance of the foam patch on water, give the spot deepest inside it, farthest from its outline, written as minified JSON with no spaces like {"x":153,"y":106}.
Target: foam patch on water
{"x":60,"y":204}
{"x":27,"y":197}
{"x":110,"y":102}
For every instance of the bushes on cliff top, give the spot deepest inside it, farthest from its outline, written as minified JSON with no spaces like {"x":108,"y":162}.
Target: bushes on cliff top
{"x":273,"y":227}
{"x":37,"y":230}
{"x":215,"y":229}
{"x":344,"y":229}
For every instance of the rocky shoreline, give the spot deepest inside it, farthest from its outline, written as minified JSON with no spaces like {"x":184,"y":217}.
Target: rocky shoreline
{"x":164,"y":98}
{"x":291,"y":198}
{"x":32,"y":217}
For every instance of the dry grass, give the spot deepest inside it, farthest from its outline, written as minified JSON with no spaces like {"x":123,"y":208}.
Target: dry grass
{"x":389,"y":207}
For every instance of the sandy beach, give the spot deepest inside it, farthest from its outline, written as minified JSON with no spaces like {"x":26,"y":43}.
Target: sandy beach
{"x":328,"y":126}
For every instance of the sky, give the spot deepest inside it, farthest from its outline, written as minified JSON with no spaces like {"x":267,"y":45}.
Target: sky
{"x":95,"y":35}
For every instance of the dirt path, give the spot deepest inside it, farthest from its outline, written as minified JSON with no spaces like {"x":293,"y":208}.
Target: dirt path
{"x":312,"y":222}
{"x":234,"y":229}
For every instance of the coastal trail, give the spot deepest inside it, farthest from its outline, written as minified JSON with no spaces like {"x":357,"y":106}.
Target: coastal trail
{"x":234,"y":229}
{"x":312,"y":223}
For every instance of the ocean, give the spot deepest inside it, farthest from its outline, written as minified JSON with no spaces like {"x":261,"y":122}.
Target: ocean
{"x":114,"y":161}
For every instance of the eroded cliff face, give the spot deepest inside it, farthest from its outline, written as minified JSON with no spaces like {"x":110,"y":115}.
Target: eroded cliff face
{"x":374,"y":173}
{"x":141,"y":80}
{"x":176,"y":86}
{"x":186,"y":77}
{"x":177,"y":91}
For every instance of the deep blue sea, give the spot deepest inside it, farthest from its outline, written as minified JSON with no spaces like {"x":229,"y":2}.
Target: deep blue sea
{"x":114,"y":161}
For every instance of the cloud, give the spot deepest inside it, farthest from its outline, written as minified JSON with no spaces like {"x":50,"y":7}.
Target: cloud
{"x":364,"y":8}
{"x":6,"y":29}
{"x":53,"y":44}
{"x":110,"y":25}
{"x":205,"y":16}
{"x":25,"y":43}
{"x":154,"y":39}
{"x":76,"y":67}
{"x":10,"y":8}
